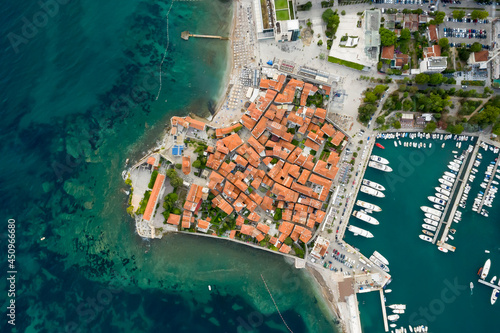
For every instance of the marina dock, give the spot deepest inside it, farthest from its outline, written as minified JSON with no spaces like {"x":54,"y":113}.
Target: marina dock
{"x":185,"y":35}
{"x":491,"y":285}
{"x":384,"y":312}
{"x":463,"y":174}
{"x":492,"y":178}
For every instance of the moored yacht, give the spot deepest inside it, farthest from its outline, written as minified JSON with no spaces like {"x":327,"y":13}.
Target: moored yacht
{"x":486,"y":269}
{"x":431,"y":211}
{"x":428,"y":227}
{"x":365,"y":217}
{"x":368,"y":205}
{"x":398,"y":306}
{"x":379,"y":159}
{"x":425,"y":238}
{"x":432,"y":217}
{"x":358,"y":231}
{"x":431,"y":222}
{"x":376,"y":186}
{"x":378,"y":166}
{"x":381,"y":257}
{"x":371,"y":191}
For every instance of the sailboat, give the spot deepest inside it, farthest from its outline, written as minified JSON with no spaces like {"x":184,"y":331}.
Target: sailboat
{"x":471,"y":287}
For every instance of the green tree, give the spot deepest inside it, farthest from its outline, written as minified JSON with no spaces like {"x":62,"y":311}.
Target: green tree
{"x":171,"y":173}
{"x":458,"y":14}
{"x":455,"y":129}
{"x":444,"y":43}
{"x":172,"y":197}
{"x":439,"y":18}
{"x":176,"y":182}
{"x":479,"y":14}
{"x":320,"y":42}
{"x":342,"y":12}
{"x":430,"y":127}
{"x":178,"y":166}
{"x":379,"y":90}
{"x":370,"y":97}
{"x":387,"y":37}
{"x":197,"y":164}
{"x":396,"y":124}
{"x":476,"y":47}
{"x":380,"y":120}
{"x":153,"y":179}
{"x":436,"y":79}
{"x":463,"y":54}
{"x":405,"y":34}
{"x":421,"y":78}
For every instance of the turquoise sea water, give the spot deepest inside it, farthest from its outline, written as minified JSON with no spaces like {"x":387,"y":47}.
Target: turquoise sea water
{"x":434,"y":285}
{"x":79,"y":96}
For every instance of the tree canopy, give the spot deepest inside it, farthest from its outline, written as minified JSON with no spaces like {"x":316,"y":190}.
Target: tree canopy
{"x":444,"y":43}
{"x":458,"y":14}
{"x":387,"y":37}
{"x":479,"y":14}
{"x":476,"y":47}
{"x":421,"y":78}
{"x":436,"y":78}
{"x":430,"y":127}
{"x":405,"y":34}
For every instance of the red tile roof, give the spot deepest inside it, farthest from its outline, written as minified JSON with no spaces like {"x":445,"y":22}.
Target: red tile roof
{"x":153,"y":197}
{"x":174,"y":219}
{"x":387,"y":52}
{"x":186,"y":165}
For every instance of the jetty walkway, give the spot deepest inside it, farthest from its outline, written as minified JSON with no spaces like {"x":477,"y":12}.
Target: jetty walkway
{"x":460,"y":183}
{"x":185,"y":35}
{"x":493,"y":173}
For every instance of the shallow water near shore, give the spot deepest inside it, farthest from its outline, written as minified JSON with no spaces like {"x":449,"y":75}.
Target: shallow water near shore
{"x":80,"y":97}
{"x":433,"y":285}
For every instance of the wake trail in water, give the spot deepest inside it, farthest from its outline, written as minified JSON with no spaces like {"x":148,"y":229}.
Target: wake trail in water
{"x":166,"y":49}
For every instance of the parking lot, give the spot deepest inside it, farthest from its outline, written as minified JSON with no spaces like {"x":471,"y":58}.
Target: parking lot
{"x":466,"y":33}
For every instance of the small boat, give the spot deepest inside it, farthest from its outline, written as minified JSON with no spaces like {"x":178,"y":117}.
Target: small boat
{"x":428,"y":227}
{"x":486,"y":251}
{"x":431,"y":222}
{"x":398,"y":311}
{"x":428,"y":233}
{"x":371,"y":191}
{"x":425,"y":238}
{"x":395,"y":143}
{"x":379,"y":145}
{"x":442,"y":146}
{"x":379,"y":159}
{"x":438,"y":207}
{"x":393,"y":325}
{"x":486,"y":269}
{"x":493,"y":280}
{"x":378,"y":166}
{"x":393,"y":317}
{"x":494,"y":296}
{"x":471,"y":286}
{"x":374,"y":185}
{"x":369,"y":206}
{"x":209,"y":287}
{"x":398,"y":306}
{"x":381,"y":257}
{"x":442,"y":249}
{"x":432,"y":217}
{"x":388,"y":291}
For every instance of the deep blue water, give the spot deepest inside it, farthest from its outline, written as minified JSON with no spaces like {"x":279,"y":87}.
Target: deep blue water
{"x":81,"y":93}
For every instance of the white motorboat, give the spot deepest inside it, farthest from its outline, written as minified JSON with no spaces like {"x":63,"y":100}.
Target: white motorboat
{"x":368,"y":205}
{"x":442,"y":196}
{"x":378,"y":166}
{"x":494,"y":296}
{"x":374,"y":185}
{"x":425,"y":238}
{"x":432,"y":211}
{"x":365,"y":217}
{"x":398,"y":306}
{"x":442,"y":191}
{"x":438,"y":207}
{"x":442,"y":249}
{"x":393,"y":317}
{"x":432,"y":217}
{"x":359,"y":232}
{"x":379,"y":159}
{"x":436,"y":200}
{"x":431,"y":222}
{"x":445,"y":182}
{"x":428,"y":227}
{"x":371,"y":191}
{"x":381,"y":257}
{"x":398,"y":311}
{"x":486,"y":269}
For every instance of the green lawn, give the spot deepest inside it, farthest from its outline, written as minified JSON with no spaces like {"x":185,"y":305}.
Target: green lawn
{"x":346,"y":63}
{"x":282,"y":15}
{"x":281,"y":4}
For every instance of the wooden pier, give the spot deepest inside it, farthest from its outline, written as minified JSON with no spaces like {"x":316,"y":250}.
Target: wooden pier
{"x":491,"y":285}
{"x":185,"y":35}
{"x":492,"y":178}
{"x":384,"y":312}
